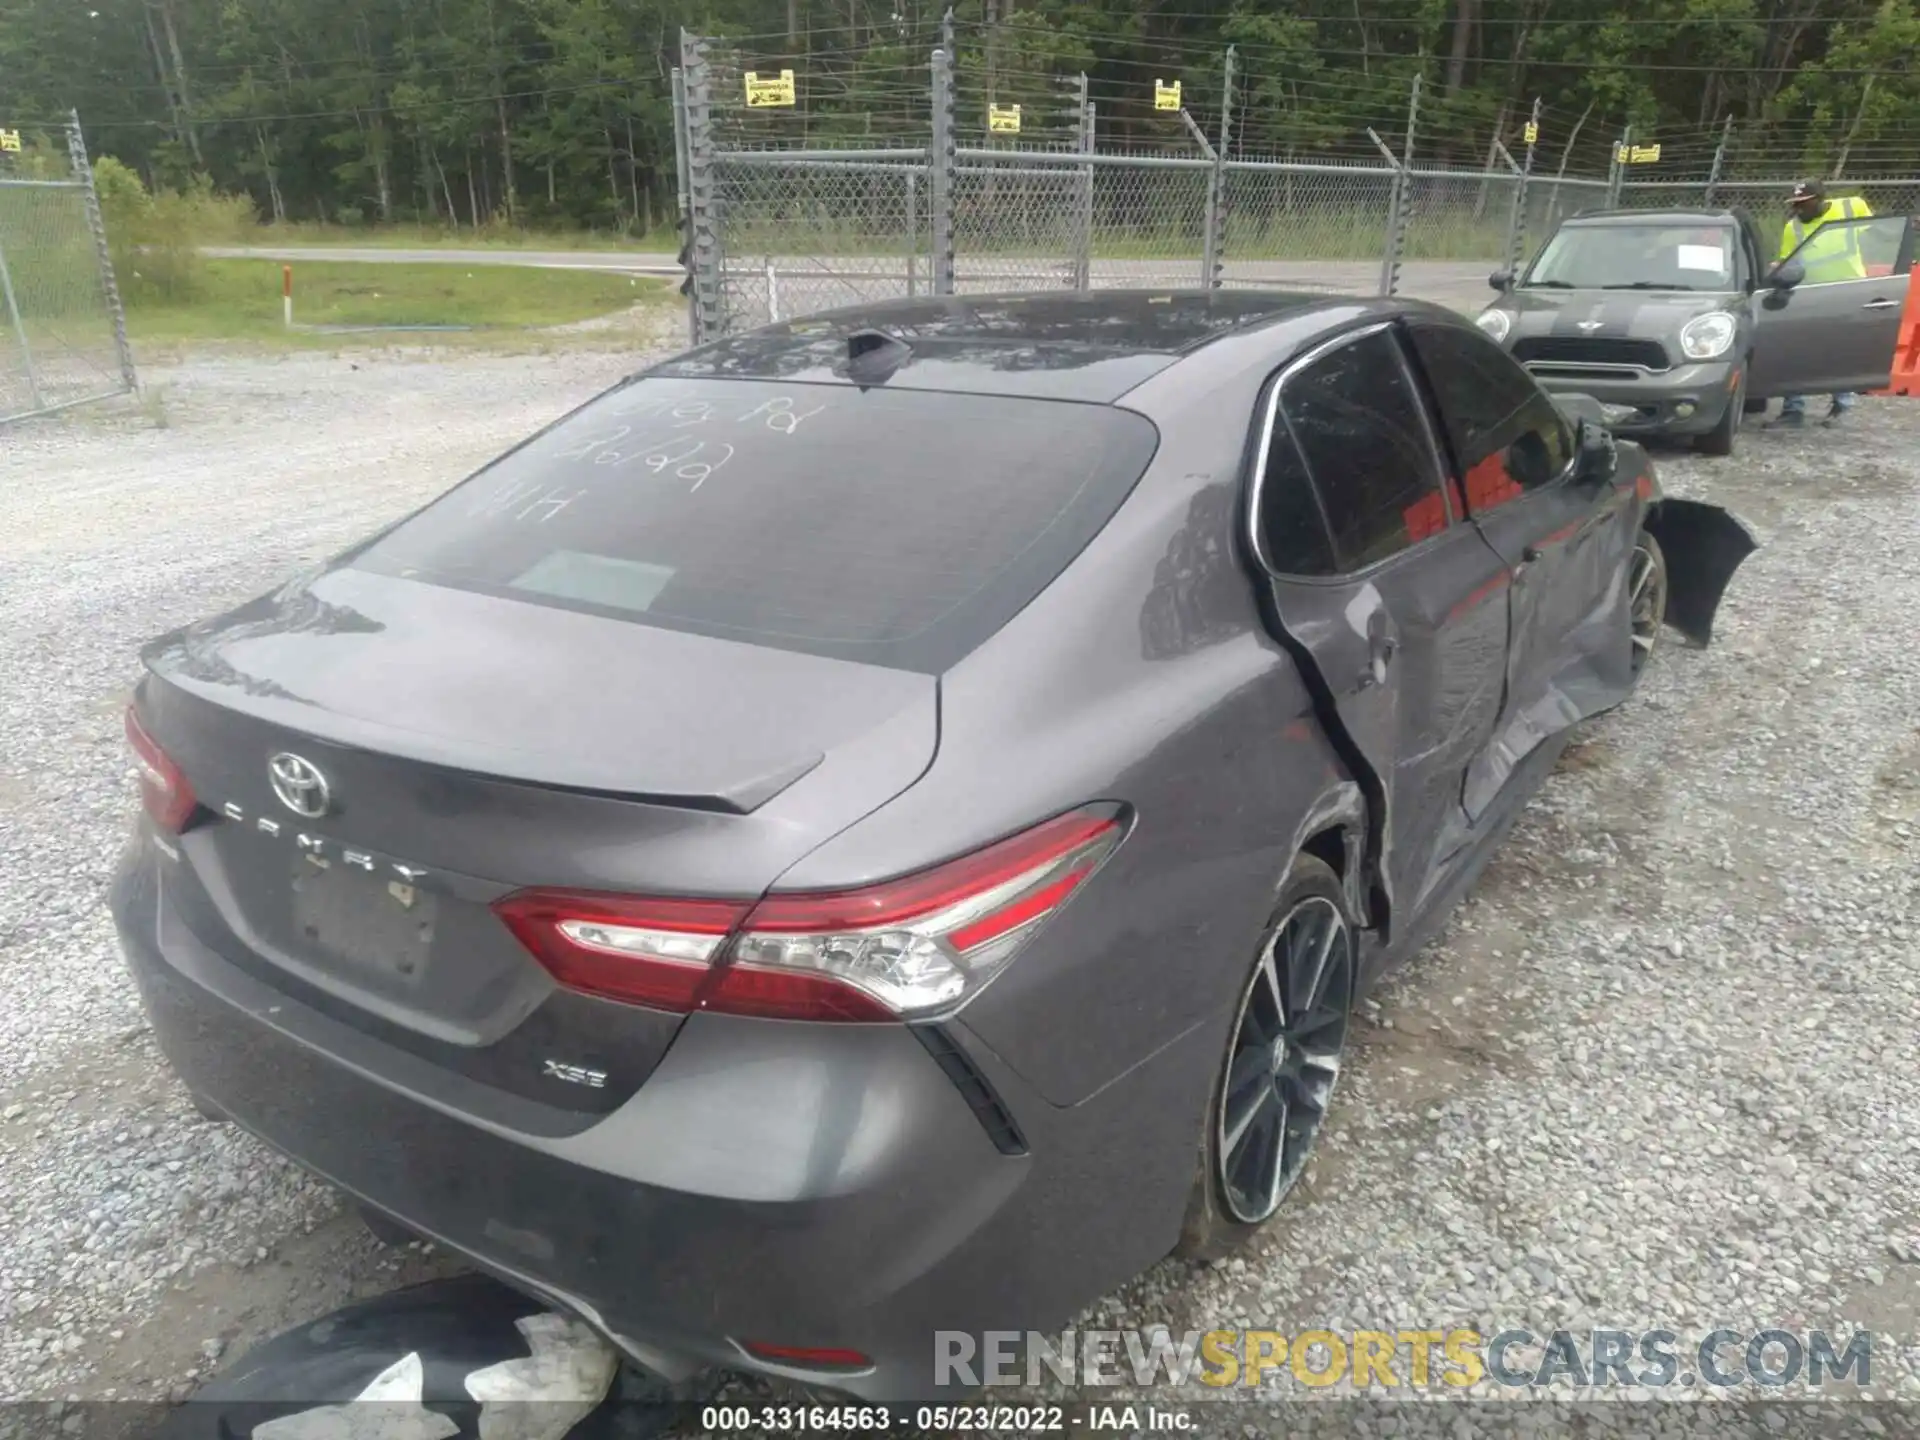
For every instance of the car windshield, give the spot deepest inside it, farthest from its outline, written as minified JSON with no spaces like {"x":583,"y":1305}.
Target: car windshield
{"x":897,"y":528}
{"x":1638,"y":257}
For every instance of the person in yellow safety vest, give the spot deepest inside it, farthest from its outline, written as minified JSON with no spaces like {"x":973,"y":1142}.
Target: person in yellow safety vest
{"x":1830,"y":252}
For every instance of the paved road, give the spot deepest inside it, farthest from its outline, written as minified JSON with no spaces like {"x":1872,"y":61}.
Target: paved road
{"x":815,"y":281}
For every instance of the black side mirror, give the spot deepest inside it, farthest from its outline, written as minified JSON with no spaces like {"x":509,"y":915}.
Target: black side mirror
{"x":1596,"y":457}
{"x":1501,"y":280}
{"x":1786,"y":275}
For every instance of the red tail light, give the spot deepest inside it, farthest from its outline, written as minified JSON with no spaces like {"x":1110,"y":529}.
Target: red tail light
{"x":164,"y":791}
{"x":907,"y":947}
{"x":649,"y":952}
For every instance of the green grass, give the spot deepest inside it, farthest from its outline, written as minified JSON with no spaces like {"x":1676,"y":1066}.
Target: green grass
{"x":240,"y":300}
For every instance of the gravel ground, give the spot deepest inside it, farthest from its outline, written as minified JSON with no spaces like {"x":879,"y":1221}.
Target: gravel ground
{"x":1658,"y":1073}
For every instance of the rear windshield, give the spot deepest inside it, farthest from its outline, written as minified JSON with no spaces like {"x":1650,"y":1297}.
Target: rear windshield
{"x":898,"y":528}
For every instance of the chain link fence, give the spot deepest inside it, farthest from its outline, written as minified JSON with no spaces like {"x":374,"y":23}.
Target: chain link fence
{"x":1016,"y":222}
{"x":788,"y":213}
{"x":804,"y":235}
{"x":1766,"y":200}
{"x":63,"y":338}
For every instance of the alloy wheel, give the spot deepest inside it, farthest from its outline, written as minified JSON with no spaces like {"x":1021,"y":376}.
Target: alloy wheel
{"x":1647,"y":600}
{"x":1288,"y":1038}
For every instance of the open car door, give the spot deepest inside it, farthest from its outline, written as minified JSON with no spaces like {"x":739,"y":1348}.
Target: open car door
{"x":1830,"y":334}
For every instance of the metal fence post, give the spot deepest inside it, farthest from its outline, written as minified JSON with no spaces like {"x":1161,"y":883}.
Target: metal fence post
{"x":110,"y":288}
{"x":703,"y":219}
{"x":1216,"y":243}
{"x":1617,"y":177}
{"x":682,"y":210}
{"x":1390,"y":247}
{"x":20,"y":332}
{"x":1517,"y":220}
{"x":1719,"y":160}
{"x":1400,"y":205}
{"x":1083,"y":201}
{"x":941,"y":162}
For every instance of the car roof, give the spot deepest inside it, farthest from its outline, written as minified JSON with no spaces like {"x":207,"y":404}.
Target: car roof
{"x":1655,"y":217}
{"x":1079,"y":345}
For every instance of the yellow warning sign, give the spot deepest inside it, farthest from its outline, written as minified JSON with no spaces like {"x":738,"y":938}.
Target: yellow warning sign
{"x":10,"y":141}
{"x":1636,"y":154}
{"x":1003,"y":119}
{"x":1531,"y":133}
{"x":1165,"y":96}
{"x":764,"y":93}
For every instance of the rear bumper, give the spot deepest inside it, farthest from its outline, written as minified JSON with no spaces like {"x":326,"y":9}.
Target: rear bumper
{"x":769,"y":1182}
{"x":1687,"y":400}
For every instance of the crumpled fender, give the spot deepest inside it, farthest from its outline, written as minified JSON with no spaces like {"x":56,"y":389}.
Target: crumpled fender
{"x":1703,"y":545}
{"x":458,"y":1359}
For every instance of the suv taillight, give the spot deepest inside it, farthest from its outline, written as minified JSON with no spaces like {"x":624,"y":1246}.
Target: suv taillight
{"x":164,"y":791}
{"x":904,"y":948}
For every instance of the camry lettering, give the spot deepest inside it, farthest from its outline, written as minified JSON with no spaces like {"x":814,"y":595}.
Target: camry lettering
{"x":323,"y":852}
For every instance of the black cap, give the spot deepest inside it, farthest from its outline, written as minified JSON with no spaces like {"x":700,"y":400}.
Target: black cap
{"x":1807,"y":190}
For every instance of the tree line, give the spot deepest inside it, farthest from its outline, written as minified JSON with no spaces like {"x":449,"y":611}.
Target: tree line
{"x":558,"y":112}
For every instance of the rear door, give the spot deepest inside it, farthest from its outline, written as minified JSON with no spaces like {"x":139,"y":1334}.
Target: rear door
{"x":1564,"y":546}
{"x":1396,"y":604}
{"x":1827,"y":335}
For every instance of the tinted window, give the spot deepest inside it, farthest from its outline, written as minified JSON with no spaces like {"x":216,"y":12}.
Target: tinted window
{"x":1293,"y":534}
{"x":1505,"y":434}
{"x":899,"y":528}
{"x":1357,"y":421}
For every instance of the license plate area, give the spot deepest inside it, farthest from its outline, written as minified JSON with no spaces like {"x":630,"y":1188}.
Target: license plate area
{"x":380,"y":928}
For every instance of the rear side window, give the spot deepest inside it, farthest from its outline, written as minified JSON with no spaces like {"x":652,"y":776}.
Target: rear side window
{"x":1293,"y":532}
{"x":1506,"y":435}
{"x":1357,"y":420}
{"x":897,"y":528}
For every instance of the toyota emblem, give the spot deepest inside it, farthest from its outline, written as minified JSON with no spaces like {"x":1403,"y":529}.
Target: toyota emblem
{"x":299,"y":785}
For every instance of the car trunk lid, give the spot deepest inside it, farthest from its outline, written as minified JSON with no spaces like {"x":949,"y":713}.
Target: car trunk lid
{"x":470,"y":746}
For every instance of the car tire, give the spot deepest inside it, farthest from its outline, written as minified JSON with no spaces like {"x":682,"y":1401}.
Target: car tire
{"x":1264,"y":1115}
{"x":1646,"y":599}
{"x":1719,"y":440}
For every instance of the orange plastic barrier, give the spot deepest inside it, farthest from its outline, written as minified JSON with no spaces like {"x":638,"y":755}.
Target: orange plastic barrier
{"x":1906,"y":350}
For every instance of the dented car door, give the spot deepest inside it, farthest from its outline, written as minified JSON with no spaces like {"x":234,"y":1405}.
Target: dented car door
{"x":1564,"y":544}
{"x":1392,"y":604}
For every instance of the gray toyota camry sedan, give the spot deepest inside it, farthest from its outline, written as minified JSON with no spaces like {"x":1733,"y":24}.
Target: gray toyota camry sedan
{"x":876,"y":826}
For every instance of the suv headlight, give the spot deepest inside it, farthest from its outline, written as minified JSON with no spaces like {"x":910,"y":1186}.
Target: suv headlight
{"x":1495,"y":322}
{"x":1706,"y":337}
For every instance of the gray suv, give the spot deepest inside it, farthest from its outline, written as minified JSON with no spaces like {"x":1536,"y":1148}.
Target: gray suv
{"x":1678,"y":316}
